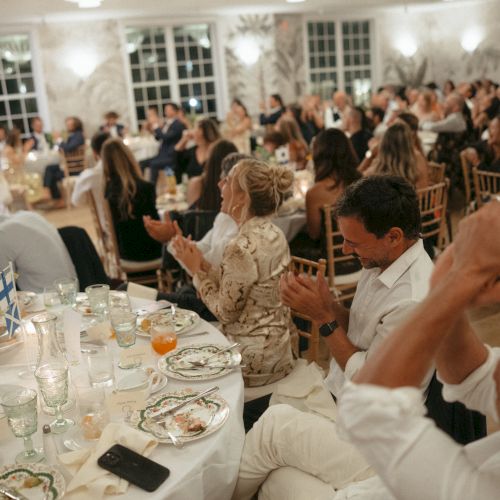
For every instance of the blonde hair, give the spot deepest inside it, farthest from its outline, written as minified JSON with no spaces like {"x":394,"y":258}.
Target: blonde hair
{"x":265,"y":185}
{"x":290,"y":130}
{"x":121,"y":172}
{"x":396,"y":155}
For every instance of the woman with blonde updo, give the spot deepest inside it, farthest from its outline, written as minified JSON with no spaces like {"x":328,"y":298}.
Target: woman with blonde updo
{"x":243,"y":293}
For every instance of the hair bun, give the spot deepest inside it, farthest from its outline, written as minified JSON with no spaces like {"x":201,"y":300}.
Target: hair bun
{"x":282,"y":178}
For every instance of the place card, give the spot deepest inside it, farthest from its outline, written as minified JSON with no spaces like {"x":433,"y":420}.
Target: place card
{"x":136,"y":355}
{"x":101,"y":331}
{"x":123,"y":403}
{"x":72,"y":321}
{"x":141,"y":291}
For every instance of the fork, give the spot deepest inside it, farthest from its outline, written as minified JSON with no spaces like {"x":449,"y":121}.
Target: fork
{"x":203,"y":362}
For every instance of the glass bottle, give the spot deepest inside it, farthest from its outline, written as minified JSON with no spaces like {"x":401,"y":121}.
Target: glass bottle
{"x":51,"y":372}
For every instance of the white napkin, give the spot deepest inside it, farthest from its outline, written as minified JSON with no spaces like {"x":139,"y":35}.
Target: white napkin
{"x":90,"y":480}
{"x":141,"y":292}
{"x":304,"y":390}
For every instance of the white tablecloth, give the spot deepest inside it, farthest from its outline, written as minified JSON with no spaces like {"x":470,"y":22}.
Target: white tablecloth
{"x":291,"y":224}
{"x":37,"y":162}
{"x":142,"y":147}
{"x":204,"y":469}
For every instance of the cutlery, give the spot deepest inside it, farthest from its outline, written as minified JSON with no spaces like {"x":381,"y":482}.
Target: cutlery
{"x":181,"y":336}
{"x":204,"y":361}
{"x":11,"y":493}
{"x":175,"y":441}
{"x":153,"y":307}
{"x":166,"y":411}
{"x":209,"y":366}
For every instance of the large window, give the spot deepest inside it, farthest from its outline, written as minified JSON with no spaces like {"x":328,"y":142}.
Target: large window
{"x":340,"y":58}
{"x":17,"y":86}
{"x":172,"y":63}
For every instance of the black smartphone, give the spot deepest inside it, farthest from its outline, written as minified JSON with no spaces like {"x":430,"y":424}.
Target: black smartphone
{"x":133,"y":467}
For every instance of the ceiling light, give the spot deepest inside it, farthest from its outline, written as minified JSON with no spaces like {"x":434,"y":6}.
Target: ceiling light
{"x":407,"y":45}
{"x":247,"y":50}
{"x":86,"y":4}
{"x":471,"y":39}
{"x":295,"y":1}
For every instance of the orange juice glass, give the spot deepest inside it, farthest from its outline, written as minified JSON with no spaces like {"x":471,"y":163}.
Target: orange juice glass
{"x":163,"y":337}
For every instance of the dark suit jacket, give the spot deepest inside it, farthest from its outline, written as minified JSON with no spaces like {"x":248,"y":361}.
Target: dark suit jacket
{"x":272,"y":118}
{"x":35,"y":141}
{"x":134,"y":243}
{"x":73,"y":141}
{"x":168,"y":141}
{"x":119,"y":129}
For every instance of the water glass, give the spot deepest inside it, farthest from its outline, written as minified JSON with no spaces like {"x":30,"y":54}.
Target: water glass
{"x":163,"y":336}
{"x":119,"y":300}
{"x":98,"y":296}
{"x":99,"y":364}
{"x":53,"y":384}
{"x":67,"y":289}
{"x":51,"y":299}
{"x":124,"y":324}
{"x":92,"y":411}
{"x":20,"y":407}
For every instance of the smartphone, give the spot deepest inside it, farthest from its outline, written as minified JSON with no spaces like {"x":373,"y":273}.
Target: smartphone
{"x":133,"y":467}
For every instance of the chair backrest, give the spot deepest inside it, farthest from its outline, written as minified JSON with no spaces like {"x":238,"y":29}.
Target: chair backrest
{"x":336,"y":260}
{"x":112,"y":244}
{"x":100,"y":233}
{"x":299,"y":265}
{"x":433,"y":202}
{"x":436,"y":172}
{"x":75,"y":161}
{"x":197,"y":223}
{"x":467,"y":175}
{"x":486,"y":184}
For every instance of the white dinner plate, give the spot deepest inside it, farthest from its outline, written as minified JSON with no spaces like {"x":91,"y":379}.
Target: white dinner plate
{"x":194,"y":421}
{"x":185,"y":320}
{"x":34,"y":481}
{"x":176,"y":364}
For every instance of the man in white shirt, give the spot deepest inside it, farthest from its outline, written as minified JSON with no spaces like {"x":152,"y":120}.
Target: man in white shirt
{"x":91,"y":180}
{"x":382,"y":413}
{"x":379,"y":219}
{"x":36,"y":249}
{"x":40,"y":142}
{"x":336,"y":115}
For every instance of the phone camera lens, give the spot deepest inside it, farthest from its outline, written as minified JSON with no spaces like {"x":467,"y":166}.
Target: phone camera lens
{"x":112,"y":458}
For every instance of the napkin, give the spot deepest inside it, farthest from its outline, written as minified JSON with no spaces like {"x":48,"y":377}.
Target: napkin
{"x":141,"y":292}
{"x":90,"y":480}
{"x":304,"y":389}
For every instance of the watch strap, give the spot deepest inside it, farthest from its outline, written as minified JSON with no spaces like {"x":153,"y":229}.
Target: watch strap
{"x":326,"y":329}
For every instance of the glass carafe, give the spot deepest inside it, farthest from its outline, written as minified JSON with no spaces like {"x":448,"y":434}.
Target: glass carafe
{"x":51,"y":371}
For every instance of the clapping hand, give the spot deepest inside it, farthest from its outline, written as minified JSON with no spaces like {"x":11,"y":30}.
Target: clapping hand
{"x":188,"y":253}
{"x":161,"y":231}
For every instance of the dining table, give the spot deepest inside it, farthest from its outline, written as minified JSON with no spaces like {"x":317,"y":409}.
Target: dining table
{"x":37,"y":161}
{"x":206,"y":468}
{"x":142,"y":147}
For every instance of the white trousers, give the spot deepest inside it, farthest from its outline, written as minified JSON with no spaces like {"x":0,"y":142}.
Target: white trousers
{"x":287,"y":437}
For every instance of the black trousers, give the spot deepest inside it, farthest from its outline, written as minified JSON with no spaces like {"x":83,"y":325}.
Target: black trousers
{"x":51,"y":178}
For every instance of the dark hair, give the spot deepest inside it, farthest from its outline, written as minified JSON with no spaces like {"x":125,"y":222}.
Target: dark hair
{"x":112,"y":114}
{"x":278,"y":98}
{"x":334,"y":156}
{"x":175,"y":106}
{"x":230,"y":161}
{"x":98,"y":139}
{"x":275,"y":137}
{"x":13,"y":137}
{"x":77,"y":122}
{"x":241,"y":105}
{"x":34,"y":119}
{"x":210,"y":198}
{"x":376,"y":111}
{"x":209,"y":130}
{"x":410,"y":119}
{"x":382,"y":202}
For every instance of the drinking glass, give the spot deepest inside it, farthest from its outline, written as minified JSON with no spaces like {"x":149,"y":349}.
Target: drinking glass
{"x":98,"y":298}
{"x":53,"y":384}
{"x":51,"y":299}
{"x":119,"y":300}
{"x":20,"y":407}
{"x":67,"y":289}
{"x":92,"y":411}
{"x":124,"y":324}
{"x":163,"y":336}
{"x":99,"y":364}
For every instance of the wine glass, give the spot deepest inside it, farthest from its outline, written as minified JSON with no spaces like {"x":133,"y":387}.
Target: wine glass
{"x":52,"y":380}
{"x":20,"y":407}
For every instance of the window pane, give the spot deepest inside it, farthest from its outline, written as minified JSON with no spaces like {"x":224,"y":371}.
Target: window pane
{"x":210,"y":88}
{"x":12,"y":86}
{"x":151,"y":93}
{"x":208,"y":69}
{"x":165,"y":92}
{"x":3,"y":111}
{"x":31,"y":106}
{"x":134,"y":57}
{"x":138,"y":95}
{"x":162,"y":73}
{"x":150,"y":74}
{"x":136,"y":75}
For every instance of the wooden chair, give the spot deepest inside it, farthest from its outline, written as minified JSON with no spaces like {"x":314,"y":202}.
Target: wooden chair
{"x":73,"y":163}
{"x":436,"y":172}
{"x":128,"y":269}
{"x":343,"y":286}
{"x":467,"y":175}
{"x":101,"y":235}
{"x":310,"y":268}
{"x":486,"y":184}
{"x":433,"y":201}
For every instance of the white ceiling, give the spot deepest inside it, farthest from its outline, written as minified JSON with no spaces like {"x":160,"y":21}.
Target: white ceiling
{"x":22,"y":11}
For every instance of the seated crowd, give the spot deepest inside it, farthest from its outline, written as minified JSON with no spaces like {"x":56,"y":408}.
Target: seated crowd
{"x":359,"y":431}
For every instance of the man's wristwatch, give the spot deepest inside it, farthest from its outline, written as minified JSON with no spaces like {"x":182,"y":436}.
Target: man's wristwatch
{"x":326,"y":329}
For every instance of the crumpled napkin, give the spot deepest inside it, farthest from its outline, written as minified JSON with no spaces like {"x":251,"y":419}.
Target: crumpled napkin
{"x":141,"y":291}
{"x":90,"y":480}
{"x":304,"y":389}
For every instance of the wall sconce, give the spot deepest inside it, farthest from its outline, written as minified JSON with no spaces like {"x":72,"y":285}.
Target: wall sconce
{"x":82,"y":63}
{"x":471,"y":39}
{"x":407,"y":45}
{"x":247,"y":50}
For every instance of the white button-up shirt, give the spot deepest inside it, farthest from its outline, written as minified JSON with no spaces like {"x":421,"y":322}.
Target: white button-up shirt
{"x":381,"y":302}
{"x":414,"y":459}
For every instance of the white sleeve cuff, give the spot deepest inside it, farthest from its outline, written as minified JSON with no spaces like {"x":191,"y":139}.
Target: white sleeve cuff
{"x":354,"y":363}
{"x":478,"y":391}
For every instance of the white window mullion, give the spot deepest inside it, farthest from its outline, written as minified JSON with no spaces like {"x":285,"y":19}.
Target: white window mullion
{"x":339,"y":41}
{"x":172,"y":65}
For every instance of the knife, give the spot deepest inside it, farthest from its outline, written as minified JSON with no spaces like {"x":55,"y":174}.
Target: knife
{"x":153,"y":307}
{"x":166,"y":411}
{"x":11,"y":493}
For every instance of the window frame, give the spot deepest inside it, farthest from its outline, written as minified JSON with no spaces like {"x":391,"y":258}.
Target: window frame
{"x":340,"y":68}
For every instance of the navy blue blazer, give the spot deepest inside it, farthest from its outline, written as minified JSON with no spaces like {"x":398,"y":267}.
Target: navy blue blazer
{"x":73,"y":141}
{"x":272,"y":118}
{"x":119,"y":129}
{"x":168,"y":141}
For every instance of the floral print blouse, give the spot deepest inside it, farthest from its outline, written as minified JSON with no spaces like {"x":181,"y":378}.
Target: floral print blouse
{"x":243,"y":293}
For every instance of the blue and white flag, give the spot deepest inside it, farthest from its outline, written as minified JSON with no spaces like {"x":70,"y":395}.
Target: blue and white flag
{"x":8,"y":300}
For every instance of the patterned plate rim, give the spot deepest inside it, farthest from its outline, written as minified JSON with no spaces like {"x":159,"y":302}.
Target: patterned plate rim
{"x":165,"y":369}
{"x":57,"y":483}
{"x":182,"y":394}
{"x":141,"y":333}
